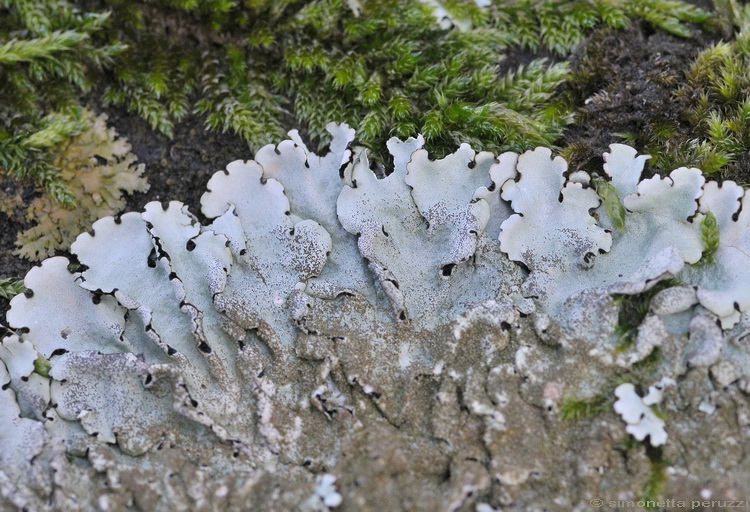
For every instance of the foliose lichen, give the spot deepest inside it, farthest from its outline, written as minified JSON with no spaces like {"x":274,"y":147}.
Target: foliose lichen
{"x":336,"y":339}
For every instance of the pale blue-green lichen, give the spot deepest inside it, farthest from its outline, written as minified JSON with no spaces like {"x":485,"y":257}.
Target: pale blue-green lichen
{"x":329,"y":324}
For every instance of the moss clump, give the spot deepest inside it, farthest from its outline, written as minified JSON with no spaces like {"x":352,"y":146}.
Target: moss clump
{"x":696,"y":115}
{"x":625,"y":83}
{"x":575,"y":409}
{"x":718,"y":93}
{"x":657,"y":479}
{"x":612,"y":202}
{"x":561,"y":25}
{"x":385,"y":67}
{"x":42,"y":366}
{"x":645,"y":368}
{"x":633,"y":310}
{"x":9,"y":288}
{"x":710,"y":237}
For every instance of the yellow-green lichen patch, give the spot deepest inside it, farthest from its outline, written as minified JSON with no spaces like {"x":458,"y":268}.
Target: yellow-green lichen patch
{"x":98,"y":168}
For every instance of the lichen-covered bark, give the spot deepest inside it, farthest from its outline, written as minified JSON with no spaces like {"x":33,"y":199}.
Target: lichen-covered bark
{"x":228,"y":367}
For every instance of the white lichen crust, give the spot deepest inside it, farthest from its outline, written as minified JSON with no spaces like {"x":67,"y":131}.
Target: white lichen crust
{"x":337,"y":340}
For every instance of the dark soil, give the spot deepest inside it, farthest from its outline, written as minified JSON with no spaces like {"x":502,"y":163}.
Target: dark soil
{"x":178,"y":169}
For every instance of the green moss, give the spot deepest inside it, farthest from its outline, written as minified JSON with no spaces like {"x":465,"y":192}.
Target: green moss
{"x":575,"y":409}
{"x":627,"y":444}
{"x":49,"y":57}
{"x":653,"y":491}
{"x":394,"y":71}
{"x":385,"y":67}
{"x":641,"y":370}
{"x":714,"y":129}
{"x":561,"y":25}
{"x":633,"y":310}
{"x":612,"y":202}
{"x":657,"y":479}
{"x":9,"y":288}
{"x":710,"y":237}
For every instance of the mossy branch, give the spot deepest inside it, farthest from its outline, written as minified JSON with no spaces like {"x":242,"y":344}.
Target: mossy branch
{"x":45,"y":47}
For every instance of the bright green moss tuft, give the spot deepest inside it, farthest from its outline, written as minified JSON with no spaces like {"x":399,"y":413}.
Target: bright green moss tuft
{"x":9,"y":288}
{"x":42,"y":366}
{"x":612,"y":202}
{"x":575,"y":409}
{"x":710,"y":238}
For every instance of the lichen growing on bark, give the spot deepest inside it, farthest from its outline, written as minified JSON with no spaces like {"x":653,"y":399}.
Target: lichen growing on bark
{"x":337,"y":340}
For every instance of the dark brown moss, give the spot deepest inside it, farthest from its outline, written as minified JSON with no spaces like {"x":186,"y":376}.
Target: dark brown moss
{"x":624,"y":83}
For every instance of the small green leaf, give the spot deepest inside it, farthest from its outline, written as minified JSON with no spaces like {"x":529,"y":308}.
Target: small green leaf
{"x":612,"y":203}
{"x":42,"y":366}
{"x":710,"y":238}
